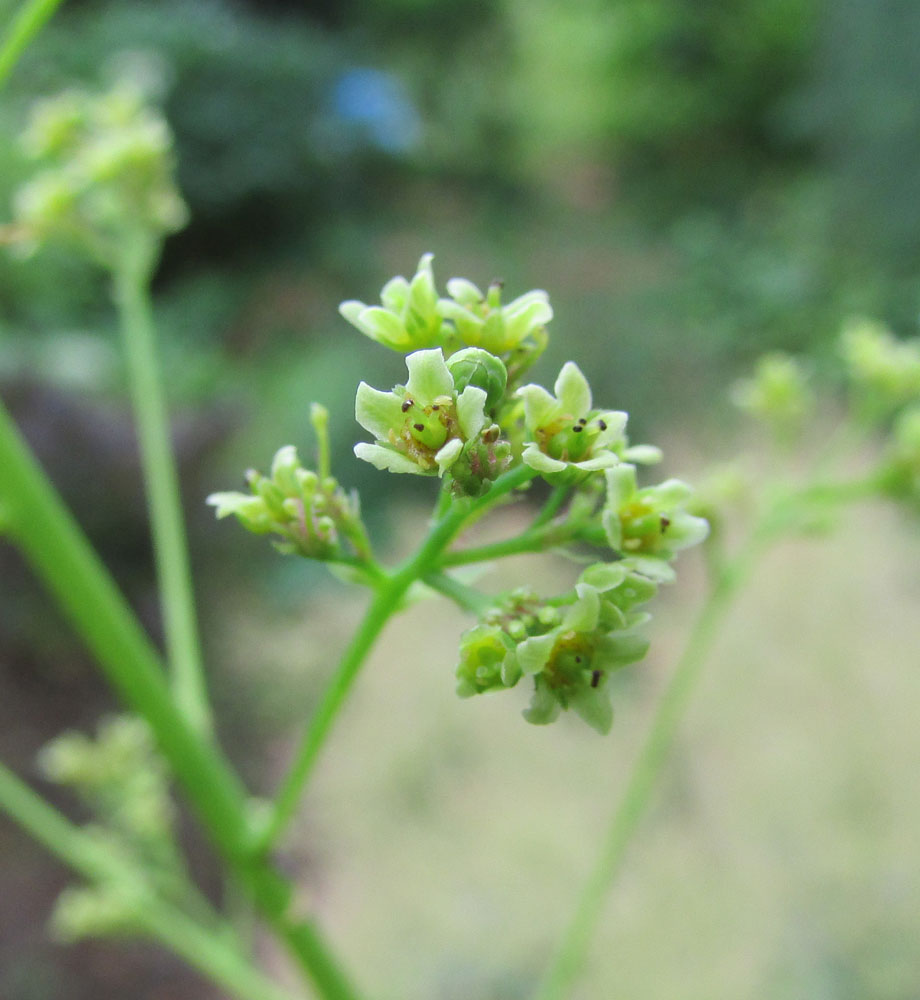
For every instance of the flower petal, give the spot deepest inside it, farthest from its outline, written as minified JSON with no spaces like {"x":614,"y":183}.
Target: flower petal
{"x":383,"y":326}
{"x":605,"y":460}
{"x":594,"y":706}
{"x":583,"y":614}
{"x":616,"y":424}
{"x":448,"y":455}
{"x":539,"y":406}
{"x":621,"y":486}
{"x":429,"y":376}
{"x":471,"y":414}
{"x":533,"y":654}
{"x":643,"y":454}
{"x":394,"y":294}
{"x":604,"y":576}
{"x":536,"y":459}
{"x":464,"y":292}
{"x":388,"y":459}
{"x":378,"y":412}
{"x":572,"y":390}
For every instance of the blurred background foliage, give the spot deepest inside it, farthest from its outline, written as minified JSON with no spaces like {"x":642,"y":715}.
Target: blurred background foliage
{"x":692,"y":183}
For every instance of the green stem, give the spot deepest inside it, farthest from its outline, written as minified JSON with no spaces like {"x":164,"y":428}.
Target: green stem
{"x":556,"y":499}
{"x":162,"y":485}
{"x":538,"y":540}
{"x":570,"y":955}
{"x":29,"y":20}
{"x":390,"y":593}
{"x":214,"y":954}
{"x":62,"y":558}
{"x":465,"y":597}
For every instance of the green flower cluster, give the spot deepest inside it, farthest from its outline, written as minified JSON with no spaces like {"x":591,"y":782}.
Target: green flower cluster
{"x":107,"y":174}
{"x":881,"y":367}
{"x":119,"y":774}
{"x":778,"y":393}
{"x":123,"y":780}
{"x":412,"y":316}
{"x":463,"y":416}
{"x":308,"y":511}
{"x":569,"y":646}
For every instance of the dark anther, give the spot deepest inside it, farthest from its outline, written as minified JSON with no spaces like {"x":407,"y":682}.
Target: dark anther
{"x":578,"y":659}
{"x":435,"y":406}
{"x":419,"y":427}
{"x":665,"y":522}
{"x":578,"y":427}
{"x":583,"y":421}
{"x":406,"y":405}
{"x":595,"y":678}
{"x":602,"y":424}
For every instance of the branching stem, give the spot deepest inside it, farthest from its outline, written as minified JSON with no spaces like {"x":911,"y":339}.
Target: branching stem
{"x":390,"y":593}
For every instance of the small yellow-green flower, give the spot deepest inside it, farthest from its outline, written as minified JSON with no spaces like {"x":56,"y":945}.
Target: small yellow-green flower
{"x":408,"y":318}
{"x":651,"y":522}
{"x":420,"y":427}
{"x":480,"y":320}
{"x":565,"y":433}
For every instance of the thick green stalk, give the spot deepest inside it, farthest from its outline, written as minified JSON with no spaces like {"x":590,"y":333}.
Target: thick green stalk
{"x":390,"y":592}
{"x":161,"y":480}
{"x":61,"y":557}
{"x":214,"y":954}
{"x":29,"y":20}
{"x":570,"y":954}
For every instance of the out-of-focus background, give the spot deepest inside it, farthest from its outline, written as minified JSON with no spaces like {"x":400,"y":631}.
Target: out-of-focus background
{"x":693,"y":184}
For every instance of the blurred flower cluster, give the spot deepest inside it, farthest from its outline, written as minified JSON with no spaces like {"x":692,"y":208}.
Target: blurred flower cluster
{"x":123,"y":780}
{"x":105,"y":177}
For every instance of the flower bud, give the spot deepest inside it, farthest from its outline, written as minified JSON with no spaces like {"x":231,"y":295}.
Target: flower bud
{"x":474,"y":366}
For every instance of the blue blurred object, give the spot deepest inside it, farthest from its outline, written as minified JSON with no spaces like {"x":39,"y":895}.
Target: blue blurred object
{"x":378,"y":106}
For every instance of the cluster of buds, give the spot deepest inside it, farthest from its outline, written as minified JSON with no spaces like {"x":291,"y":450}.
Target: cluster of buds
{"x":778,"y":393}
{"x":885,"y":370}
{"x":412,"y":317}
{"x":569,"y":645}
{"x":307,"y":511}
{"x":123,"y":779}
{"x":107,"y":174}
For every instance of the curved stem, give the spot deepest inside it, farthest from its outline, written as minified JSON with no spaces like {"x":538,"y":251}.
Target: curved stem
{"x":29,"y":20}
{"x":538,"y":540}
{"x":213,"y":953}
{"x":468,"y":598}
{"x":570,"y":955}
{"x":390,"y":593}
{"x":556,"y":499}
{"x":162,"y":485}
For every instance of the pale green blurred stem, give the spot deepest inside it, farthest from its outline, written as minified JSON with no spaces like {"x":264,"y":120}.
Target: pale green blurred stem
{"x":390,"y":592}
{"x":131,"y":293}
{"x":25,"y":25}
{"x":217,"y":955}
{"x":783,"y":514}
{"x":570,"y":954}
